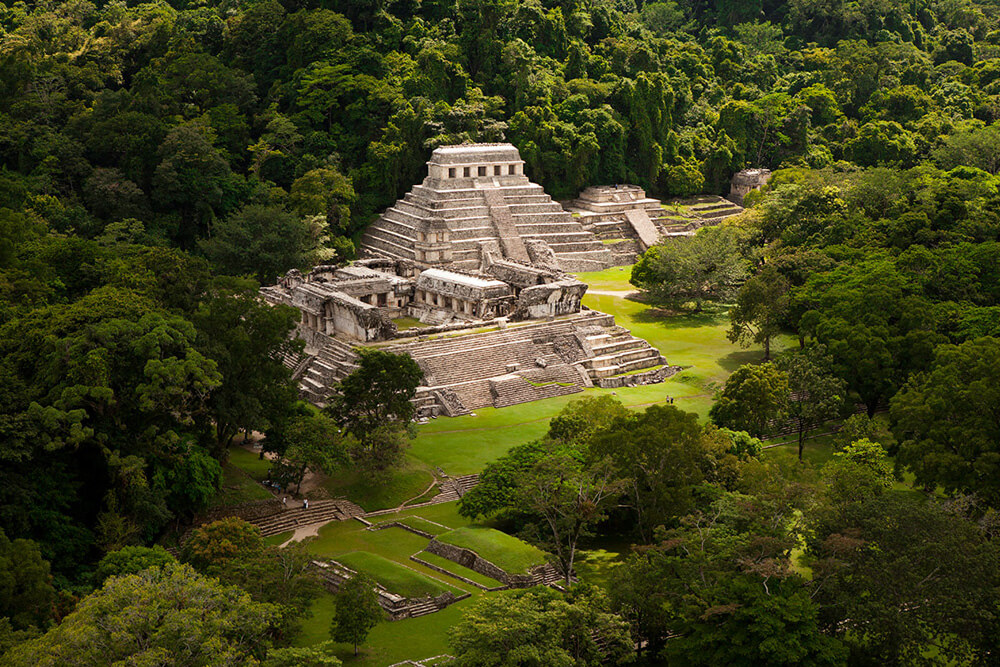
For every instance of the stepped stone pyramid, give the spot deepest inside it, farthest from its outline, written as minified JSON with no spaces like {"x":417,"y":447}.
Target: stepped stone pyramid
{"x":476,"y":195}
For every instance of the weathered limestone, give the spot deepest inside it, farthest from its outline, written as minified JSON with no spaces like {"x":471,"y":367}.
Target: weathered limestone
{"x":477,"y":193}
{"x":745,"y":182}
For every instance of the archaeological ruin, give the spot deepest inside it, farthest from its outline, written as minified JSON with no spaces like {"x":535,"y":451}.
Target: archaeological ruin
{"x":468,"y":275}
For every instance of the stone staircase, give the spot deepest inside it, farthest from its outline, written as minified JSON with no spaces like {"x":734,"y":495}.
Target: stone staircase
{"x":320,"y":511}
{"x":466,"y":364}
{"x":617,"y":352}
{"x":510,"y":213}
{"x":524,"y":362}
{"x":545,"y":575}
{"x":334,"y":362}
{"x":423,"y":608}
{"x":559,"y":379}
{"x":454,"y":488}
{"x":503,"y":224}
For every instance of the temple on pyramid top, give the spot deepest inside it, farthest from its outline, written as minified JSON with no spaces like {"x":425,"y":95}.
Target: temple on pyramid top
{"x":477,"y":202}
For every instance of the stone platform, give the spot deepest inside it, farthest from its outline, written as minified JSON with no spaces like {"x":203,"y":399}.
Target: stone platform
{"x":500,"y":364}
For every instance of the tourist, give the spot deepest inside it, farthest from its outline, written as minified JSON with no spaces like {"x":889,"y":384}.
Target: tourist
{"x":305,"y":503}
{"x":284,"y":501}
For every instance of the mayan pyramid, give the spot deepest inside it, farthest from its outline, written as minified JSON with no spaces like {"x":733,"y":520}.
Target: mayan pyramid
{"x":477,"y":194}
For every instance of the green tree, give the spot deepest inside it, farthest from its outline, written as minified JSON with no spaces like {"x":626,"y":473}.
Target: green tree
{"x":571,"y":498}
{"x":214,"y":545}
{"x":760,"y":311}
{"x":326,"y":192}
{"x":945,"y":421}
{"x":26,"y":593}
{"x":247,"y":339}
{"x":861,"y":471}
{"x":897,"y":573}
{"x":373,"y":405}
{"x":183,"y":618}
{"x":262,"y":241}
{"x":816,"y":395}
{"x":131,"y":560}
{"x":192,"y":178}
{"x":721,"y":588}
{"x":691,"y":269}
{"x":665,"y":455}
{"x":356,"y":611}
{"x":312,"y":441}
{"x":539,"y":626}
{"x":754,"y":398}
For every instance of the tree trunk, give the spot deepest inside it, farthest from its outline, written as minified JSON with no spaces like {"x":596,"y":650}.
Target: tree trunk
{"x":802,"y":439}
{"x":767,"y":348}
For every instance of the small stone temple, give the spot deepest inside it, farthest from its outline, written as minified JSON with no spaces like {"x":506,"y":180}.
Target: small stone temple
{"x":745,"y":182}
{"x":476,"y":194}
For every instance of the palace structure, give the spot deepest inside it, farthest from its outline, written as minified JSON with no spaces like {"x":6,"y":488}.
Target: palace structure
{"x":467,"y":275}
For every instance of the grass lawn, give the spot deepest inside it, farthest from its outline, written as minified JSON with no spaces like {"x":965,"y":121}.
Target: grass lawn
{"x":418,"y":523}
{"x":408,"y":480}
{"x":460,"y":570}
{"x":279,"y":539}
{"x":396,"y":578}
{"x":407,"y":323}
{"x":388,"y":643}
{"x":237,"y":487}
{"x":506,"y":552}
{"x":249,"y":462}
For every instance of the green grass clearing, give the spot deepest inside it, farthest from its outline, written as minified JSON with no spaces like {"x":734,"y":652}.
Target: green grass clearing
{"x":237,"y":487}
{"x":279,"y":539}
{"x":389,"y":642}
{"x":461,"y":570}
{"x":249,"y":462}
{"x":399,"y":485}
{"x":394,"y":577}
{"x":506,"y":552}
{"x":403,"y":323}
{"x":418,"y":523}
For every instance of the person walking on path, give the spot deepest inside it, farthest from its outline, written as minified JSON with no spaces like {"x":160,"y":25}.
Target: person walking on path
{"x":284,"y":501}
{"x":305,"y":503}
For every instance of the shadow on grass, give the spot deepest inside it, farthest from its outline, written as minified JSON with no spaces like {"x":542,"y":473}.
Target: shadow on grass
{"x":679,"y":320}
{"x":734,"y":360}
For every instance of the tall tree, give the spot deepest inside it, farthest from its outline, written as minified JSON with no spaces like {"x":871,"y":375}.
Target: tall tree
{"x":816,"y":395}
{"x":754,"y":398}
{"x":182,"y":617}
{"x":948,"y":424}
{"x":571,"y":498}
{"x":665,"y":455}
{"x":692,"y":269}
{"x":262,"y":241}
{"x":539,"y":626}
{"x":247,"y":339}
{"x":760,"y":311}
{"x":356,"y":611}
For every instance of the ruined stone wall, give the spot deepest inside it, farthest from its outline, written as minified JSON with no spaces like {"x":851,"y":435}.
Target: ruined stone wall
{"x":550,"y":300}
{"x":469,"y":559}
{"x":746,"y":181}
{"x":348,"y":316}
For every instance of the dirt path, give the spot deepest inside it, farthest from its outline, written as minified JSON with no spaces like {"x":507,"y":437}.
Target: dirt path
{"x":621,"y":294}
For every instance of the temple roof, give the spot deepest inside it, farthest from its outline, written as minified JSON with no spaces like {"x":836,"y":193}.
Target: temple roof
{"x":475,"y":154}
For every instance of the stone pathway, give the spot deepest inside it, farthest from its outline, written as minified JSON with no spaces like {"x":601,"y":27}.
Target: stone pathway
{"x":621,"y":294}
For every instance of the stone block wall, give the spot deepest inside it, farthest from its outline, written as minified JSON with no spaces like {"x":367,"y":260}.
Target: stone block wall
{"x":470,"y":559}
